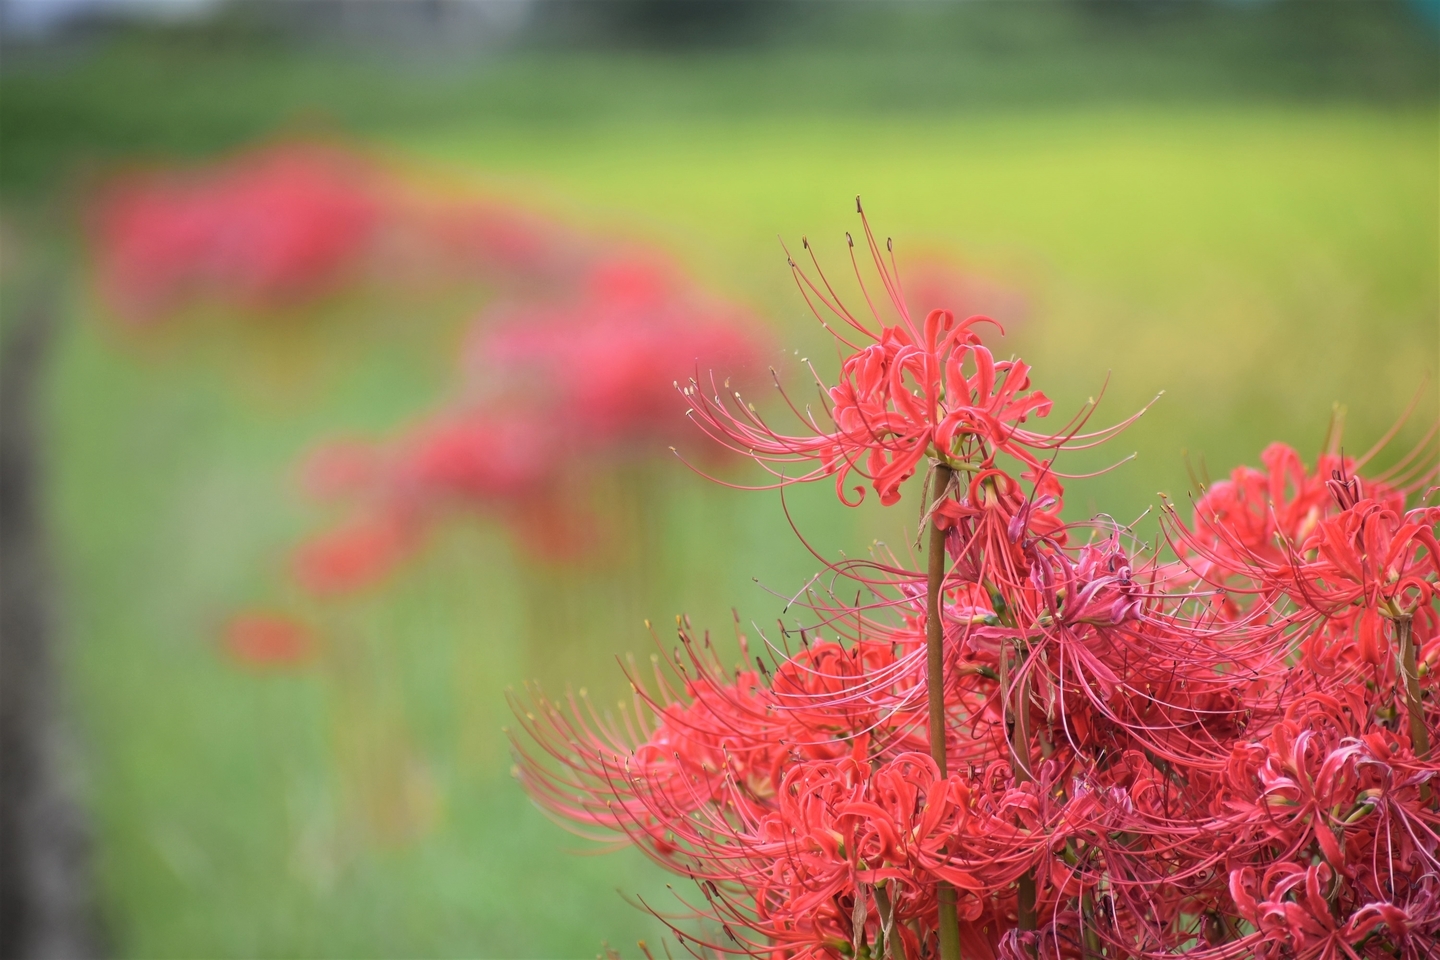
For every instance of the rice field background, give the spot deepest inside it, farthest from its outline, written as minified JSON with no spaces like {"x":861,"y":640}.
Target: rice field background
{"x":1259,"y":260}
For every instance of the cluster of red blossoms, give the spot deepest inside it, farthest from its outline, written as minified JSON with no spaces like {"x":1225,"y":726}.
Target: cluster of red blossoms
{"x":567,"y":374}
{"x":1052,"y":742}
{"x":556,"y":390}
{"x":287,"y":223}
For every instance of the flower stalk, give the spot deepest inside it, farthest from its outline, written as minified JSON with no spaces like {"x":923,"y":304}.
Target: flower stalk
{"x":1414,"y":708}
{"x":949,"y":928}
{"x":1090,"y":948}
{"x":1015,"y":696}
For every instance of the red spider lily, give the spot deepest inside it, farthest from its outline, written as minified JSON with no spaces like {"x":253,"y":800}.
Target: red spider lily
{"x":1341,"y":552}
{"x":265,"y":640}
{"x":556,"y":390}
{"x":1370,"y":556}
{"x":264,"y":229}
{"x":357,"y":555}
{"x":915,"y":392}
{"x":473,"y":456}
{"x":898,"y":401}
{"x":1044,"y":746}
{"x":1262,"y":516}
{"x":286,"y":223}
{"x":395,"y":492}
{"x":606,"y":357}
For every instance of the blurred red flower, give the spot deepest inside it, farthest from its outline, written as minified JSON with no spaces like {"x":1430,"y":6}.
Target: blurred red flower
{"x":555,"y":390}
{"x":605,"y":359}
{"x":265,"y":639}
{"x":356,"y":555}
{"x":261,"y":230}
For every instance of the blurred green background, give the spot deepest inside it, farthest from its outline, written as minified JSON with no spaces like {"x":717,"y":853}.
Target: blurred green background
{"x":1235,"y":202}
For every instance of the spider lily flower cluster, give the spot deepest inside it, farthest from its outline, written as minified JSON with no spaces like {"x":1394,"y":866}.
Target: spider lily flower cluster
{"x":283,"y":225}
{"x":1052,"y":742}
{"x":556,"y":390}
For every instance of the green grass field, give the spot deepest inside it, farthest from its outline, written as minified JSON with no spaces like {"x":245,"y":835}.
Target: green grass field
{"x":1258,"y":263}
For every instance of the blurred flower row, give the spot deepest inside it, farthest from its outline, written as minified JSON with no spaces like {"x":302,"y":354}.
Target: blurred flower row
{"x":283,"y":225}
{"x":567,"y":372}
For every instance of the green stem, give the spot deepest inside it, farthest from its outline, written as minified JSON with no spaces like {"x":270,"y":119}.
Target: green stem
{"x":1414,"y":706}
{"x":935,"y":687}
{"x":1090,"y":948}
{"x":1019,"y":710}
{"x":893,"y":944}
{"x":1025,"y":901}
{"x":1414,"y":709}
